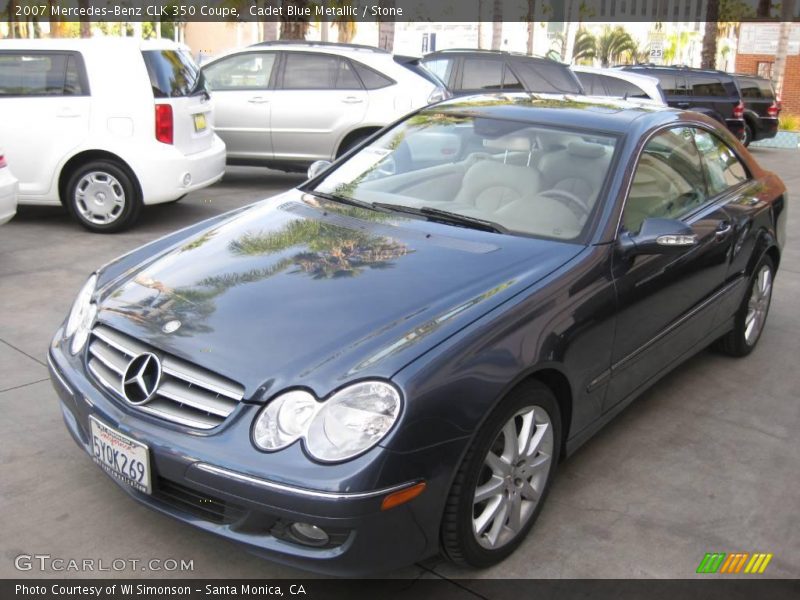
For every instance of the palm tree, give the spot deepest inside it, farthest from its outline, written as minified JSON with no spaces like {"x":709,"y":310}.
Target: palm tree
{"x":708,"y":56}
{"x":386,"y":28}
{"x":295,"y":28}
{"x":613,"y":44}
{"x":531,"y":25}
{"x":584,"y":48}
{"x":497,"y":24}
{"x":779,"y":68}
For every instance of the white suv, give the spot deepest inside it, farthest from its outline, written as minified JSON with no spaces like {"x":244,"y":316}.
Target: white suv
{"x":104,"y":126}
{"x":8,"y":191}
{"x":286,"y":105}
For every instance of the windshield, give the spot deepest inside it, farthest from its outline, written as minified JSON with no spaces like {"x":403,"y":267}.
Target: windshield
{"x":505,"y":176}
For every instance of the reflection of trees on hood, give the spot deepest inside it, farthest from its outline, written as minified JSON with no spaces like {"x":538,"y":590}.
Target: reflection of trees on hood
{"x":324,"y":251}
{"x":330,"y":251}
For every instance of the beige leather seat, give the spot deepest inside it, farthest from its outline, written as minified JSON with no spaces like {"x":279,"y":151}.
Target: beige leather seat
{"x":490,"y":184}
{"x":580,"y":169}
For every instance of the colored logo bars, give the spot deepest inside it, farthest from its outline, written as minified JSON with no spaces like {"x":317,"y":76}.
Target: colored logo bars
{"x":720,"y":562}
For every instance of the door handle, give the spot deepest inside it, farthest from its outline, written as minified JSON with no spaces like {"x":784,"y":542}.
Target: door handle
{"x":723,"y":230}
{"x":258,"y":100}
{"x":682,"y":104}
{"x":352,"y":100}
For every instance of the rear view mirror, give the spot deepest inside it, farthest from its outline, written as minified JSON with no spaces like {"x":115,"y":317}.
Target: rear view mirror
{"x":659,"y":236}
{"x":317,"y":167}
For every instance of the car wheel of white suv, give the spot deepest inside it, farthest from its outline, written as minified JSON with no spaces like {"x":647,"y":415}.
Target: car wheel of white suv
{"x":103,"y":197}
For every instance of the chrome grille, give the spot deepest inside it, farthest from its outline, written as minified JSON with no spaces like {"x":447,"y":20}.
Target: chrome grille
{"x":187,"y":394}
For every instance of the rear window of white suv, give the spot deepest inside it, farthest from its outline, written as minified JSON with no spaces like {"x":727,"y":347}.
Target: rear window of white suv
{"x":173,"y":74}
{"x":42,"y":74}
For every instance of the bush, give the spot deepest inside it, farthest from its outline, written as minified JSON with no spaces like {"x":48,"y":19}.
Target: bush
{"x":787,"y":122}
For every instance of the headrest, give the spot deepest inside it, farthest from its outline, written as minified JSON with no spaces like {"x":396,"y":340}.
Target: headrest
{"x":585,"y":149}
{"x":510,"y":143}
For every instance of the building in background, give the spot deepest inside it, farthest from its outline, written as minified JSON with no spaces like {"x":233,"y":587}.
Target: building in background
{"x":758,"y":45}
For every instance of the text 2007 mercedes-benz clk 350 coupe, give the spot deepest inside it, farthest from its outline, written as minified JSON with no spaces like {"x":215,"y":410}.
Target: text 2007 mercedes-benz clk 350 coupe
{"x":390,"y":360}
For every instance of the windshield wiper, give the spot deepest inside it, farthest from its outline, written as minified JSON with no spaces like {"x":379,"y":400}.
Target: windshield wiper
{"x":346,"y":200}
{"x":445,"y":216}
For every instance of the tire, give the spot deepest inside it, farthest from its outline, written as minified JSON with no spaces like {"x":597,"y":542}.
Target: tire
{"x":347,"y":145}
{"x":741,"y":340}
{"x":103,"y":197}
{"x":748,"y":135}
{"x":462,"y":541}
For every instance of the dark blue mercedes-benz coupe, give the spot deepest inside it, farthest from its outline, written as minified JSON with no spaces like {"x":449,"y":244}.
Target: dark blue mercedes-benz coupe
{"x":390,"y":360}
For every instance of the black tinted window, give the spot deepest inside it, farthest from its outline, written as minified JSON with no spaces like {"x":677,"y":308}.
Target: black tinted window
{"x":703,"y":85}
{"x":623,"y":89}
{"x":672,"y":84}
{"x":440,"y":67}
{"x":755,"y":89}
{"x":304,"y":71}
{"x":592,"y":83}
{"x":371,"y":79}
{"x":546,"y":77}
{"x":41,"y":74}
{"x":482,"y":74}
{"x":173,"y":73}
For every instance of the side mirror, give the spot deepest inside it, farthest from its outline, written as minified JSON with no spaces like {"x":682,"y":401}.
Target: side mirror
{"x":318,"y":167}
{"x":659,"y":236}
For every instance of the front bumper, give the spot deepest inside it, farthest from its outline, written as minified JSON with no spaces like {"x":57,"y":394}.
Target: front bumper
{"x":209,"y":481}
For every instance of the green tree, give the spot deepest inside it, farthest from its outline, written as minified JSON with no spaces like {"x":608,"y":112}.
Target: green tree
{"x":584,"y":48}
{"x":613,"y":44}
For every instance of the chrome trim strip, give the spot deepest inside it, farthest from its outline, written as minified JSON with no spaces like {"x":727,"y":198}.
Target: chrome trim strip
{"x":54,"y":370}
{"x":298,"y":491}
{"x":622,"y":363}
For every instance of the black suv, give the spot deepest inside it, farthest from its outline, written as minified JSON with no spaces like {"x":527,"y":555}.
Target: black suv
{"x":707,"y":91}
{"x":761,"y":107}
{"x":476,"y":71}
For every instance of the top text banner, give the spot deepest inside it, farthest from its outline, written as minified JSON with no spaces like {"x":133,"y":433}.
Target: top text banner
{"x":391,"y":10}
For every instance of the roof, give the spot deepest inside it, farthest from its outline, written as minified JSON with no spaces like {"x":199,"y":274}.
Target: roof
{"x":586,"y":112}
{"x":682,"y":68}
{"x":88,"y":43}
{"x":493,"y":53}
{"x":332,"y":46}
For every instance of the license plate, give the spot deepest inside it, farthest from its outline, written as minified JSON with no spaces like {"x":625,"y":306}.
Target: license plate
{"x":199,"y":122}
{"x":123,"y":458}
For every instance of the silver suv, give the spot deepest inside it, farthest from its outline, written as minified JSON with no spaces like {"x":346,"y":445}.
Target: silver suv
{"x":286,"y":105}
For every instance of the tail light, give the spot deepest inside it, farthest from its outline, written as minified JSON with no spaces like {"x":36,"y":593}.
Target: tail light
{"x":773,"y":110}
{"x":3,"y":162}
{"x":165,"y":124}
{"x":738,"y":111}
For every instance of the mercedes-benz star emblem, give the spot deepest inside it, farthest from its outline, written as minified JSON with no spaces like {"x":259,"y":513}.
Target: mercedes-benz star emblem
{"x":141,"y":378}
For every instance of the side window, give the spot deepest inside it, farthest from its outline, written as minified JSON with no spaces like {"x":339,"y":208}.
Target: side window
{"x":306,"y":71}
{"x":510,"y":81}
{"x":372,"y":79}
{"x":241,"y":72}
{"x":703,"y":85}
{"x":723,"y":168}
{"x":673,"y":85}
{"x":40,"y":75}
{"x":668,"y":182}
{"x":482,"y":74}
{"x":622,"y":88}
{"x":592,"y":84}
{"x":548,"y":78}
{"x":441,"y":67}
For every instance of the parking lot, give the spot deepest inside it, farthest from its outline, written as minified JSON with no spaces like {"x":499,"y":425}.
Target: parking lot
{"x":706,"y":461}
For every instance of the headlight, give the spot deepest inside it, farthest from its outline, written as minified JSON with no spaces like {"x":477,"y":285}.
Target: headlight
{"x":81,"y":316}
{"x":352,"y":421}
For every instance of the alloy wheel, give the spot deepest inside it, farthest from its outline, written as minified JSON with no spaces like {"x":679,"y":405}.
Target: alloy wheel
{"x":758,"y":305}
{"x":513,"y":477}
{"x":99,"y":198}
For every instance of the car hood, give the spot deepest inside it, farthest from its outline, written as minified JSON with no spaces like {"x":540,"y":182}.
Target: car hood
{"x":299,"y":291}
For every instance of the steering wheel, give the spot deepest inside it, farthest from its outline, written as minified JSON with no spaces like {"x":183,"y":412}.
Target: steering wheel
{"x":570,"y":200}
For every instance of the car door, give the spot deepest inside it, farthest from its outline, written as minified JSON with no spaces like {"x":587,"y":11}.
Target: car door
{"x":241,"y":88}
{"x":45,"y":102}
{"x":667,"y":303}
{"x":318,"y":100}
